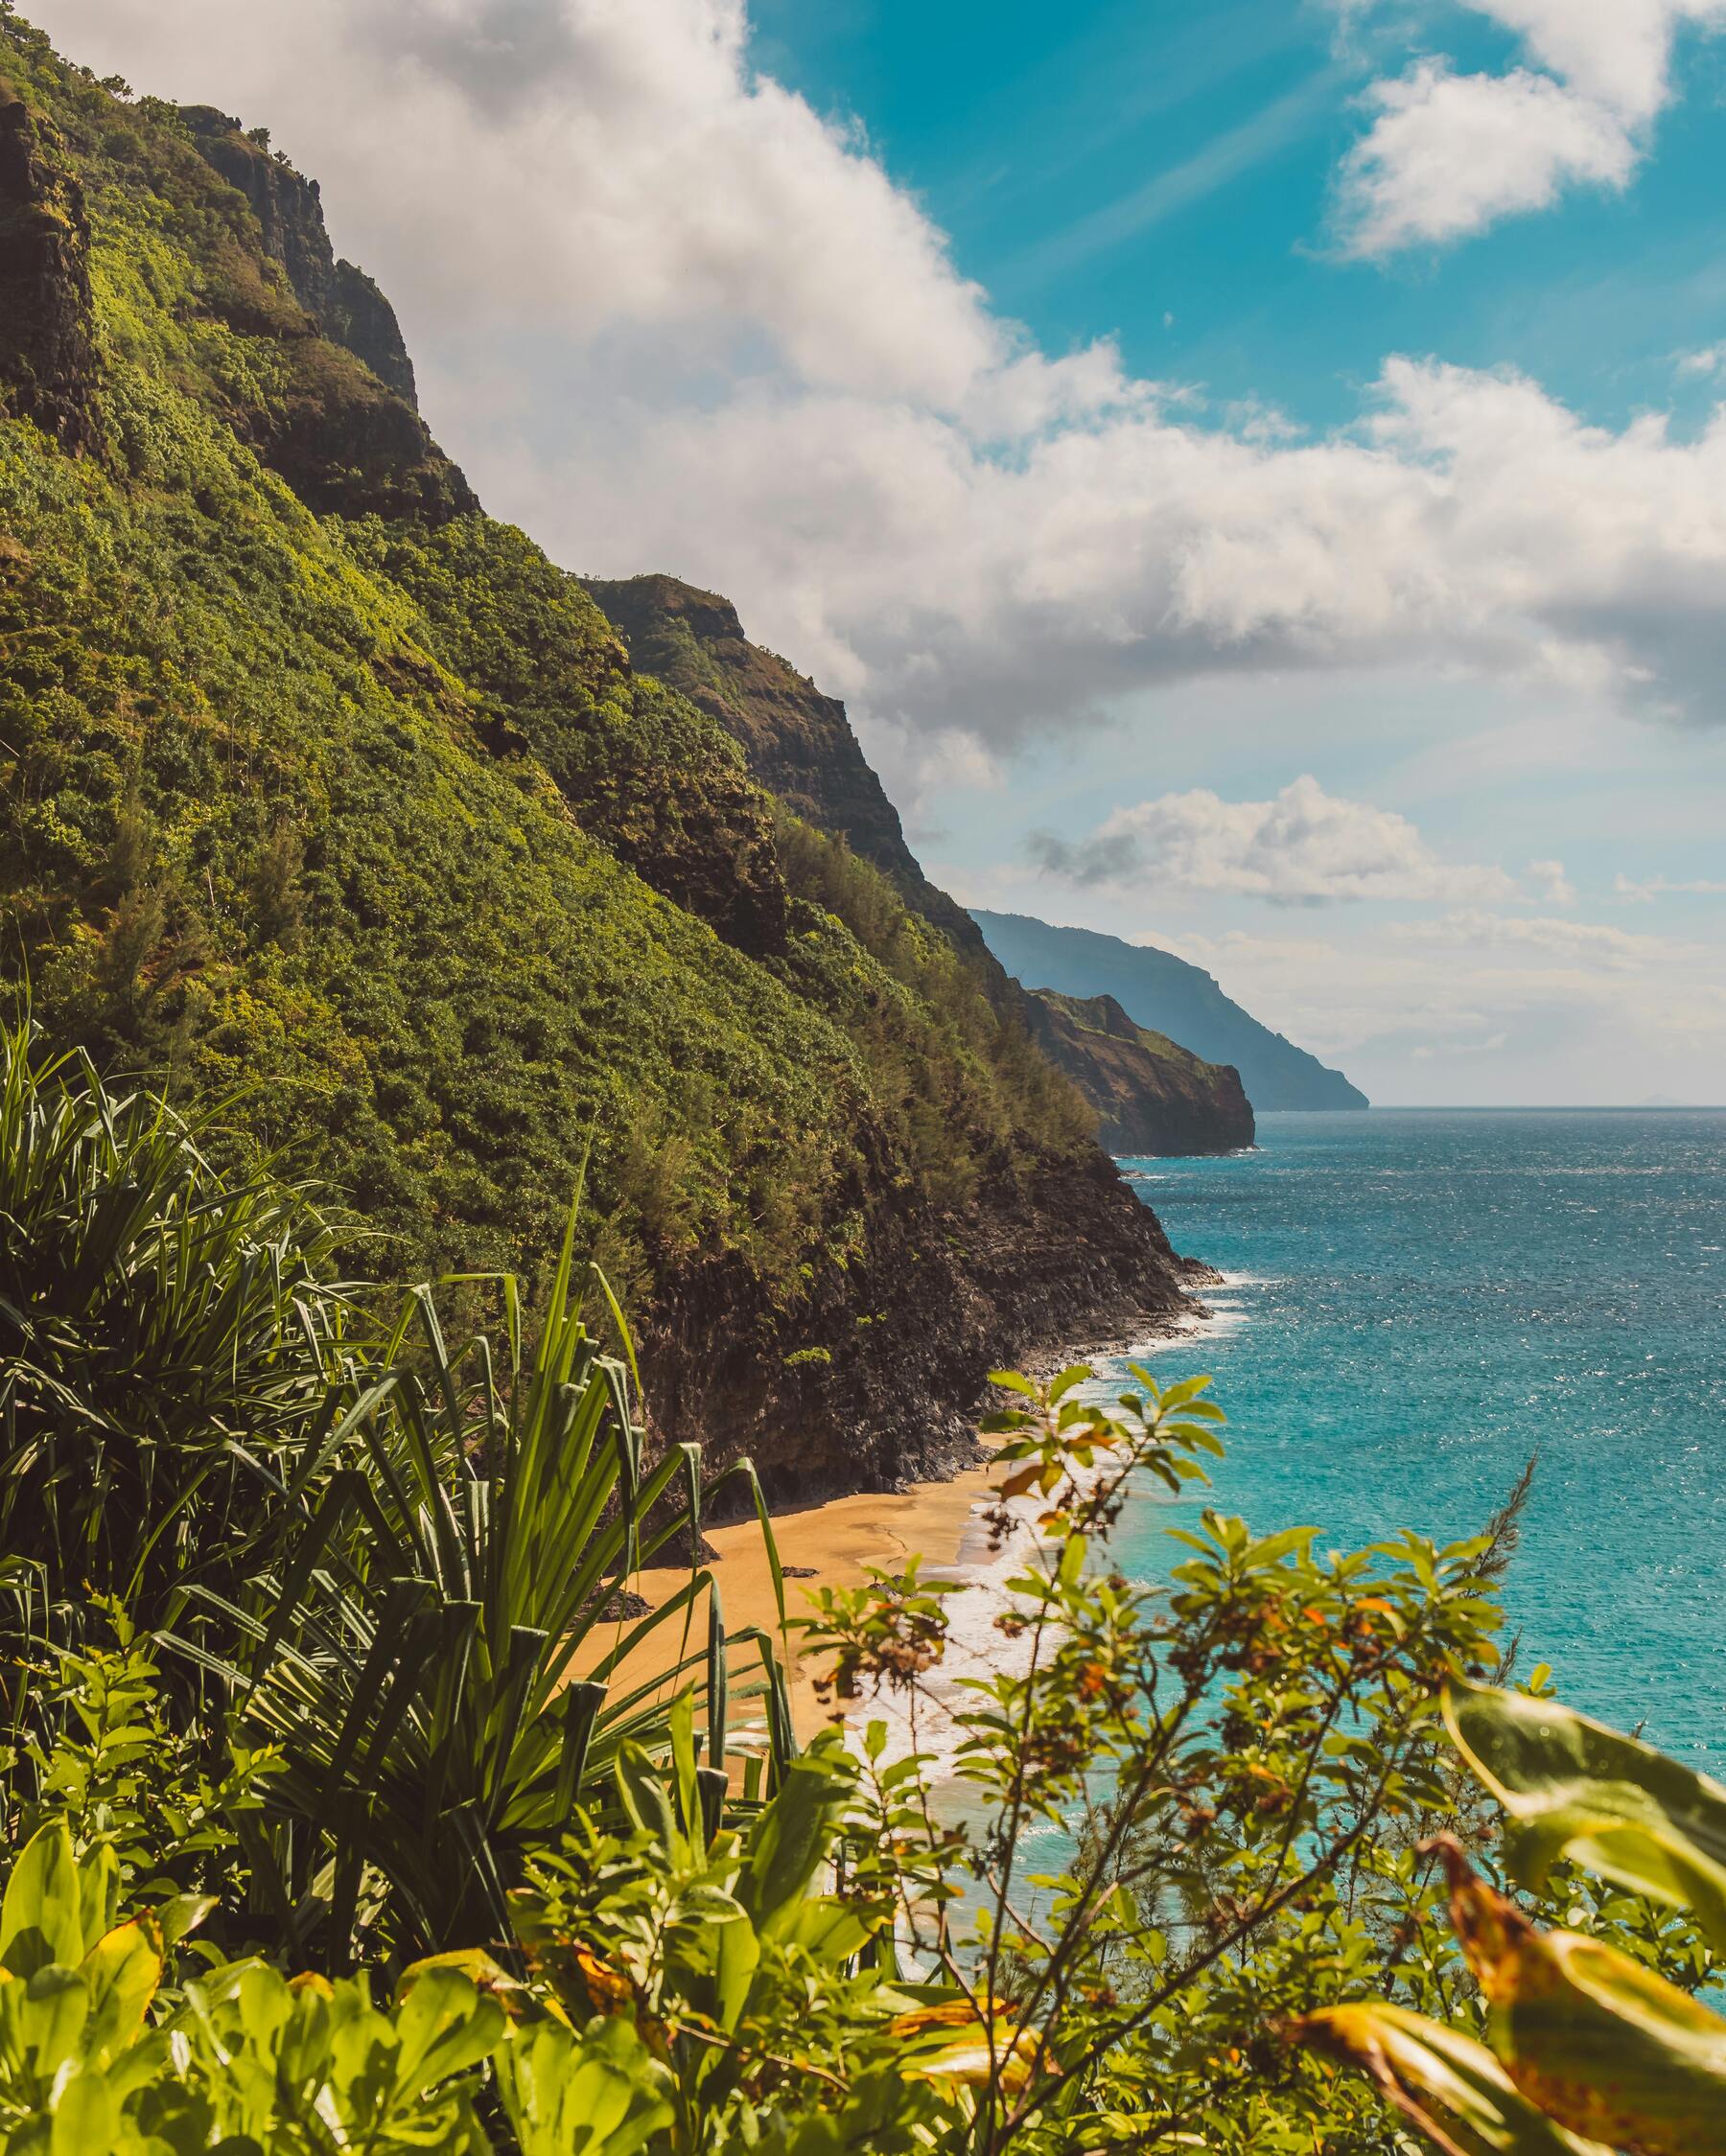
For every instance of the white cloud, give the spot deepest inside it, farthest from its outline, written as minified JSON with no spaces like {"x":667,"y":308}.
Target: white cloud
{"x":1305,"y":848}
{"x":1710,"y":360}
{"x":1659,"y":886}
{"x":1583,"y":944}
{"x":672,"y":318}
{"x":1555,"y":887}
{"x":1449,"y":154}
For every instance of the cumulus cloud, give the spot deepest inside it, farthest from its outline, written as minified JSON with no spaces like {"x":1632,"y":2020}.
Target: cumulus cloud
{"x":1448,"y":154}
{"x":1305,"y":848}
{"x":670,"y":316}
{"x":1555,"y":886}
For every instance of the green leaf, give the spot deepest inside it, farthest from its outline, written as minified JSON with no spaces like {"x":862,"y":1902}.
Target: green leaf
{"x":1441,"y":2081}
{"x":86,"y":2118}
{"x":790,"y":1839}
{"x":122,"y":1972}
{"x":1602,"y":2043}
{"x":41,"y":1916}
{"x":1570,"y":1788}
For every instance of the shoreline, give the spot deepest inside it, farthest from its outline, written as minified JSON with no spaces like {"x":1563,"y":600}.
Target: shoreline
{"x":836,"y":1541}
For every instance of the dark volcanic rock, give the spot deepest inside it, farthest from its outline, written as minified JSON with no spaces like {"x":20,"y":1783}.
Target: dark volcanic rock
{"x":348,"y":437}
{"x":343,"y":301}
{"x":1150,"y":1096}
{"x":798,"y":743}
{"x":46,"y":362}
{"x":362,"y":320}
{"x":894,"y":1355}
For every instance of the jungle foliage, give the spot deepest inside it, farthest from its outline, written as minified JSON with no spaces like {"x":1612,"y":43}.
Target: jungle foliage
{"x":346,"y":1802}
{"x":360,"y":820}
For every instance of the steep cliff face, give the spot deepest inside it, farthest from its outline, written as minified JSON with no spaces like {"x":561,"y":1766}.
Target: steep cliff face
{"x":343,"y":301}
{"x":1180,"y":1000}
{"x":337,"y":800}
{"x":798,"y":743}
{"x":1150,"y":1095}
{"x":45,"y":303}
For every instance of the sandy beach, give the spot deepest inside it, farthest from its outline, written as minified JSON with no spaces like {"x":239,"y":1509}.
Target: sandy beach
{"x":839,"y":1543}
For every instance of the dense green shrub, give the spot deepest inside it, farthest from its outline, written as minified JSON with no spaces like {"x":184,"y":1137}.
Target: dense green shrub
{"x":1205,"y":1836}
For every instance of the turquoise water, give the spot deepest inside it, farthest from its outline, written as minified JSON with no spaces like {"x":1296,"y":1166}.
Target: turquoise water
{"x":1420,"y":1300}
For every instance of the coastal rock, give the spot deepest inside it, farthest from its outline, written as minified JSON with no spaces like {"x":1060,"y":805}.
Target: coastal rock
{"x":47,"y":366}
{"x":1150,"y":1096}
{"x":1178,"y":1000}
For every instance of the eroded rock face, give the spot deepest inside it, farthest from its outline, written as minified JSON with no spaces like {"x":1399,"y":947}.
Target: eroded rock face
{"x":343,"y":301}
{"x":798,"y":743}
{"x":47,"y":367}
{"x":1150,"y":1096}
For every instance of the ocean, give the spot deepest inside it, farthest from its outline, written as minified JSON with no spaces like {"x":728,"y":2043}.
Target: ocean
{"x":1417,"y":1302}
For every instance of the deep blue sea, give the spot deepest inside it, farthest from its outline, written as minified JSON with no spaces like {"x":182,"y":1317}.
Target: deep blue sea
{"x":1419,"y":1300}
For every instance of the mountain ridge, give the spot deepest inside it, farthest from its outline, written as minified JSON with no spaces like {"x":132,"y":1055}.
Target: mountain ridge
{"x":340,"y":802}
{"x":1150,"y":1096}
{"x":1169,"y":996}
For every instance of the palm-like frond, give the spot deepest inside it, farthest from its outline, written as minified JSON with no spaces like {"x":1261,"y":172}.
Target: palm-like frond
{"x":162,"y":1349}
{"x":439,"y":1662}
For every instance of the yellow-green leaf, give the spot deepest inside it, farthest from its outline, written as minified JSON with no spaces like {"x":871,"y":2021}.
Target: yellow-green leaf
{"x":1440,"y":2081}
{"x":1571,"y":1788}
{"x":1599,"y":2043}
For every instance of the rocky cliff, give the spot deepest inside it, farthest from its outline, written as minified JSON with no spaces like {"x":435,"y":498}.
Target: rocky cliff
{"x":337,"y":801}
{"x":1150,"y":1095}
{"x":1177,"y":999}
{"x":798,"y":742}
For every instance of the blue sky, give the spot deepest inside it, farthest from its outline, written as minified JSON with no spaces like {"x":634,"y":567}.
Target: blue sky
{"x":1256,"y":472}
{"x":1166,"y":173}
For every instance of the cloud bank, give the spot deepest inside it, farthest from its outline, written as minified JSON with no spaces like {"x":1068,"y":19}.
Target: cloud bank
{"x":1305,"y":848}
{"x":670,"y":316}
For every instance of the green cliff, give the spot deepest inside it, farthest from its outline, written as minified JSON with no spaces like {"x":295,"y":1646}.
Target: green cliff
{"x":339,"y":800}
{"x":1149,"y":1094}
{"x":1180,"y":1000}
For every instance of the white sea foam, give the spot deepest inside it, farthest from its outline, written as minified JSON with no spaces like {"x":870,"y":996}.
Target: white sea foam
{"x":976,"y":1647}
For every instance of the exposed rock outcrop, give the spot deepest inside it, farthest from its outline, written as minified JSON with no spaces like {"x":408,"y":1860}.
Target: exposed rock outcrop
{"x":46,"y":364}
{"x":343,"y":301}
{"x":798,"y":743}
{"x":1150,"y":1095}
{"x":346,"y":435}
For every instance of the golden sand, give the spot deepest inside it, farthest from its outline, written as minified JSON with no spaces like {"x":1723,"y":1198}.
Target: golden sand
{"x":838,"y":1541}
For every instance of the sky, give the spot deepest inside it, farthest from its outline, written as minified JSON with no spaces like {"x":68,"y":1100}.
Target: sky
{"x":1256,"y":472}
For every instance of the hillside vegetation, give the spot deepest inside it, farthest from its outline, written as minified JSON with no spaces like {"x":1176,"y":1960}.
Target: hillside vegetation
{"x":337,"y":801}
{"x":1150,"y":1095}
{"x":1164,"y":992}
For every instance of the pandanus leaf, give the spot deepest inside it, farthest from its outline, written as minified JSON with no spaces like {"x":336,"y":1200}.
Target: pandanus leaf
{"x":1440,"y":2081}
{"x":1603,"y":2044}
{"x":1570,"y":1788}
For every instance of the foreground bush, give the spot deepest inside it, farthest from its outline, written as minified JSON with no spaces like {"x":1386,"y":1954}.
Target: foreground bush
{"x":333,"y":1820}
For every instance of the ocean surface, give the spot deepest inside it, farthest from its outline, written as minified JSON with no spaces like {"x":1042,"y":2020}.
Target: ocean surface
{"x":1418,"y":1301}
